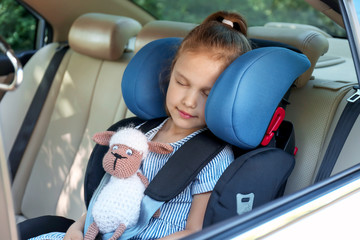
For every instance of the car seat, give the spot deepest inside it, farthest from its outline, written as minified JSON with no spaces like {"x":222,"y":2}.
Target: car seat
{"x":50,"y":176}
{"x":250,"y":90}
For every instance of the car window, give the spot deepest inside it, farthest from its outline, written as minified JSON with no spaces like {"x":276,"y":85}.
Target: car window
{"x":257,"y":12}
{"x":357,"y":7}
{"x":17,"y":26}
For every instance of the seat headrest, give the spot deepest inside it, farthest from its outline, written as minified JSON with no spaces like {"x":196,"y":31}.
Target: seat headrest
{"x":161,"y":29}
{"x":249,"y":91}
{"x":243,"y":100}
{"x":144,"y":73}
{"x":102,"y":36}
{"x":310,"y":42}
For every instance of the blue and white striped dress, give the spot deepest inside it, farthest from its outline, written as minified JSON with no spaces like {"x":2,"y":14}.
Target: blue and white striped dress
{"x":173,"y":214}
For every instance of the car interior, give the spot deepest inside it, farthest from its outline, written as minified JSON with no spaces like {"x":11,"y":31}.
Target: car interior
{"x":86,"y":98}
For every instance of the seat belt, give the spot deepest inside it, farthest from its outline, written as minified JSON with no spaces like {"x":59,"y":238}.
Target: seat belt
{"x":341,"y":132}
{"x":184,"y":166}
{"x":33,"y":113}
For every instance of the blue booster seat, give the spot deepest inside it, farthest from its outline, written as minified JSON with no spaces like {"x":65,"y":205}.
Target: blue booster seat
{"x":242,"y":110}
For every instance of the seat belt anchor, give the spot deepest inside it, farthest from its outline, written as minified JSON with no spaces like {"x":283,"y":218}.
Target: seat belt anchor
{"x":275,"y":122}
{"x":356,"y":96}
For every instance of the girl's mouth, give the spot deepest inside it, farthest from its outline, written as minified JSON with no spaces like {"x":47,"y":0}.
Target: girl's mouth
{"x":185,"y":115}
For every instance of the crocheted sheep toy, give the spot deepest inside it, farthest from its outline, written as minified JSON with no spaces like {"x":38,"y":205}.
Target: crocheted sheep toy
{"x":118,"y":204}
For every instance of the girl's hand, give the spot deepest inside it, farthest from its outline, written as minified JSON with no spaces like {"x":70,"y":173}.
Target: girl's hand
{"x":74,"y":234}
{"x":75,"y":231}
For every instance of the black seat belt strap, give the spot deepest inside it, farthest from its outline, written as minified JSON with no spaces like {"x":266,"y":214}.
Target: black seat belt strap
{"x":33,"y":113}
{"x":184,"y":166}
{"x":341,"y":132}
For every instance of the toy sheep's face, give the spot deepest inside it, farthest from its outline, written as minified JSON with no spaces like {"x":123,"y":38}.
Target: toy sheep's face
{"x":127,"y":148}
{"x":122,"y":161}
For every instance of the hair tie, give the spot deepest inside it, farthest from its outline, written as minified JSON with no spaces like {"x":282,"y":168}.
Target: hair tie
{"x":228,"y":22}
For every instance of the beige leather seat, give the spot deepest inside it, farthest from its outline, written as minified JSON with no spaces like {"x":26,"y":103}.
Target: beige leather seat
{"x":85,"y":98}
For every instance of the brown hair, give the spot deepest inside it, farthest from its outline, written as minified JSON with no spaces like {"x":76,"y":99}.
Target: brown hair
{"x":223,"y":33}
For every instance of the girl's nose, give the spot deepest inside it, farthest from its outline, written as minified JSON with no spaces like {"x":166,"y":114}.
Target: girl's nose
{"x":190,"y":99}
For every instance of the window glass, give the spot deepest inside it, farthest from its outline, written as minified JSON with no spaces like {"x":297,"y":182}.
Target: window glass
{"x":357,"y":8}
{"x":17,"y":25}
{"x":257,"y":12}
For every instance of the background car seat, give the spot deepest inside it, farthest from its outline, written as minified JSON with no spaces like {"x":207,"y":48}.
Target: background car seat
{"x":83,"y":99}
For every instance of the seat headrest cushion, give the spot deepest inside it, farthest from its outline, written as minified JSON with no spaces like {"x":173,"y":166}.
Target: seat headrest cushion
{"x":142,"y":76}
{"x":244,"y":98}
{"x":102,"y":36}
{"x":311,"y":43}
{"x":240,"y":104}
{"x":159,"y":29}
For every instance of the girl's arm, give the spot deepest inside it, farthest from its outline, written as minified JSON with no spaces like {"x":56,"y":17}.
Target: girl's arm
{"x":196,"y":216}
{"x":75,"y":231}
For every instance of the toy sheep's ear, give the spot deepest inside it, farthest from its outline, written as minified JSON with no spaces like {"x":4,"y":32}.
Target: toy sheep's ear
{"x":161,"y":148}
{"x":103,"y":138}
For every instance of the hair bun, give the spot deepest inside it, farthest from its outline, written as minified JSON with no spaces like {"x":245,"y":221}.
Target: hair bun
{"x":234,"y":20}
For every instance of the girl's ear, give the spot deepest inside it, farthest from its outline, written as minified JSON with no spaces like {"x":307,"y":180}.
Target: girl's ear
{"x":161,"y":148}
{"x":103,"y":138}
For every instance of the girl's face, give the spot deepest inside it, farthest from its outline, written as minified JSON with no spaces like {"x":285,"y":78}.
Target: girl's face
{"x":191,"y":80}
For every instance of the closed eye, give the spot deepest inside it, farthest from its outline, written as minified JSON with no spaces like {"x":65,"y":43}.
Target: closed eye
{"x":181,"y":83}
{"x":206,"y":93}
{"x":180,"y":79}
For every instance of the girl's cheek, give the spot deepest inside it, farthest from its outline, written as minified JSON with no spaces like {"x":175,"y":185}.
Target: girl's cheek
{"x":204,"y":98}
{"x":202,"y":103}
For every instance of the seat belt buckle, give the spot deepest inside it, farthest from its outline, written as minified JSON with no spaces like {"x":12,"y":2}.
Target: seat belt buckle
{"x":356,"y":96}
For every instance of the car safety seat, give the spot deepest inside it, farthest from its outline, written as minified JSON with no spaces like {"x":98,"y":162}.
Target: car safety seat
{"x":250,"y":90}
